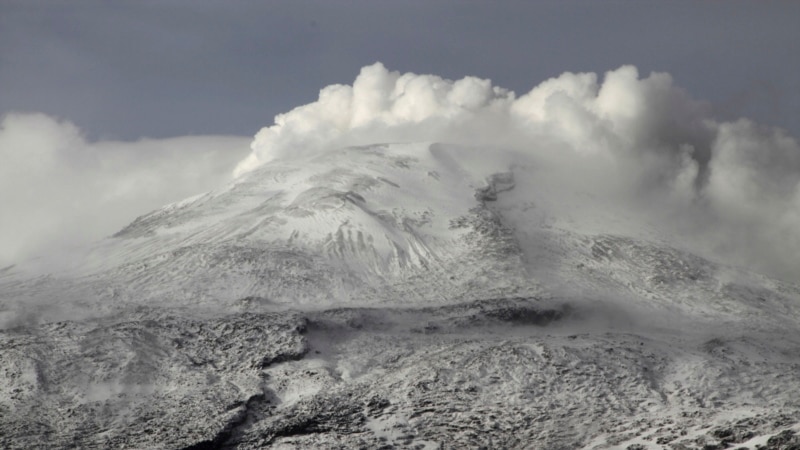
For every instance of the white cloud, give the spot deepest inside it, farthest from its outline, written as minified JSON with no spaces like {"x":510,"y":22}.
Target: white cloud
{"x":641,"y":143}
{"x":57,"y":189}
{"x":733,"y":186}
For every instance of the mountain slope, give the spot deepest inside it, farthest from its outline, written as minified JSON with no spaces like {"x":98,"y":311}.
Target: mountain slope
{"x":362,"y":225}
{"x":396,"y":296}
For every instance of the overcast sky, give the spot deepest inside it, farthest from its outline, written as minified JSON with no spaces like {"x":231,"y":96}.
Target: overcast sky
{"x":123,"y":70}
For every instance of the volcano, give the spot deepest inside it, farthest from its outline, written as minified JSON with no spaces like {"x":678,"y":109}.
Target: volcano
{"x":421,"y":295}
{"x":412,"y":262}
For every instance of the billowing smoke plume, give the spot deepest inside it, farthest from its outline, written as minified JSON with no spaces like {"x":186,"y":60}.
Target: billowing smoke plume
{"x":732,"y":188}
{"x":57,"y":189}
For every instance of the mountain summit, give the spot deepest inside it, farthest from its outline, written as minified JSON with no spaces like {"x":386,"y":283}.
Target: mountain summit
{"x":406,"y":295}
{"x":582,"y":287}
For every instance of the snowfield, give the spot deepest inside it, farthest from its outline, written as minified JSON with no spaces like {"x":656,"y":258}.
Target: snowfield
{"x":419,"y":295}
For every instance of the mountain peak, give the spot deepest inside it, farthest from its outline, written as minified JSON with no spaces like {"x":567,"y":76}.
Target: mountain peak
{"x":398,"y":293}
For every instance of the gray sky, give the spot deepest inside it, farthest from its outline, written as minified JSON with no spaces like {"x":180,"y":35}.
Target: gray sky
{"x":123,"y":70}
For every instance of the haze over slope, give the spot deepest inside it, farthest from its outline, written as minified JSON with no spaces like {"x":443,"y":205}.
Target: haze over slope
{"x":58,"y":189}
{"x":730,"y":188}
{"x":418,"y":263}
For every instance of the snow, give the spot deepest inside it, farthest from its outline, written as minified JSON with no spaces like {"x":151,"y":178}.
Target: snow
{"x":410,"y":294}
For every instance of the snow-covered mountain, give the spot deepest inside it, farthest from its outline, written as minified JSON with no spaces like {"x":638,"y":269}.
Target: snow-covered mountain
{"x":398,"y":224}
{"x":396,"y":296}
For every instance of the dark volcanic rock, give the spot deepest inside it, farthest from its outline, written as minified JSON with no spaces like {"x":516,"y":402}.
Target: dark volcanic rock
{"x":785,"y":440}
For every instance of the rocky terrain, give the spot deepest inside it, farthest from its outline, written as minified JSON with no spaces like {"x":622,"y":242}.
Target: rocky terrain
{"x":390,"y":297}
{"x":500,"y":373}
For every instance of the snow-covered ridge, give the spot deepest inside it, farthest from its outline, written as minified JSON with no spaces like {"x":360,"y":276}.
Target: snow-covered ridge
{"x":408,"y":295}
{"x":395,"y":224}
{"x":386,"y":223}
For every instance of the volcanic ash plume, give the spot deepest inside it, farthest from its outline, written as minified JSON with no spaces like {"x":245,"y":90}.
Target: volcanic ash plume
{"x":730,"y":188}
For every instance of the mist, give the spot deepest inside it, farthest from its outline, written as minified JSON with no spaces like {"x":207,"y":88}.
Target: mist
{"x":639,"y":143}
{"x":58,"y":190}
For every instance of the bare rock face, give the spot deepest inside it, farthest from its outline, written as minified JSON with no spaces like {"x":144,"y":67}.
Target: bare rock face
{"x":495,"y":184}
{"x":388,"y":297}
